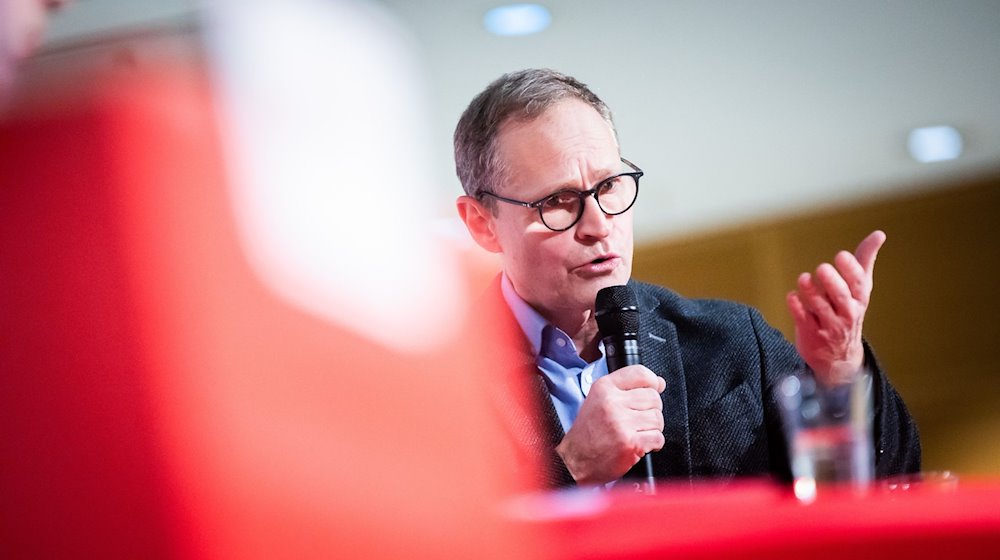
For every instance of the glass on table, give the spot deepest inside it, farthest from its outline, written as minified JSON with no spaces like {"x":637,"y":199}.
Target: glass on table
{"x":829,"y":434}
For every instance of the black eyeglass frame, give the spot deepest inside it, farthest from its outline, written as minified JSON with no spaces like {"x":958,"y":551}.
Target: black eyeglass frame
{"x":581,"y":195}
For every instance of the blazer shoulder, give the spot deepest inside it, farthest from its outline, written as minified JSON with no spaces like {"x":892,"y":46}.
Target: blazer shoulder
{"x":668,"y":304}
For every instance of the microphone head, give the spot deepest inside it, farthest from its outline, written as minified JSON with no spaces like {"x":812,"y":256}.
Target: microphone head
{"x":617,"y":310}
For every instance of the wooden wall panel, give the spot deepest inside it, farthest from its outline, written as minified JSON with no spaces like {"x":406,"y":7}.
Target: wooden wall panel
{"x":934,"y":314}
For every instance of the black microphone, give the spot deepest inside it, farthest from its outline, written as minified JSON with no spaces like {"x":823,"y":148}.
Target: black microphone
{"x":617,"y":313}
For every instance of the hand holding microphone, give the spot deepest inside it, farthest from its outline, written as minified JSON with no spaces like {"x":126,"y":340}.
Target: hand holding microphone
{"x":622,"y":417}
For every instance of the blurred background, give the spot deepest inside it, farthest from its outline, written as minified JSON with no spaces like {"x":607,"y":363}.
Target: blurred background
{"x":772,"y":135}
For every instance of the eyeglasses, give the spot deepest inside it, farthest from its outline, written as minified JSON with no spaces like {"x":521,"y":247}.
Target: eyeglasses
{"x":561,"y":210}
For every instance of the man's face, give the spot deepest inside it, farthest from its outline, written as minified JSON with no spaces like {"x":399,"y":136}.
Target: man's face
{"x":568,"y":147}
{"x":22,"y":23}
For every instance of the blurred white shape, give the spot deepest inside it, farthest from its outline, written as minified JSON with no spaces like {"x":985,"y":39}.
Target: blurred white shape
{"x":322,"y":118}
{"x":570,"y":503}
{"x":517,"y":19}
{"x":935,"y":143}
{"x":805,"y":490}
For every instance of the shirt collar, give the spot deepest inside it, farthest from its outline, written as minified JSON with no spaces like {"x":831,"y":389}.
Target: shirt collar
{"x":532,"y":323}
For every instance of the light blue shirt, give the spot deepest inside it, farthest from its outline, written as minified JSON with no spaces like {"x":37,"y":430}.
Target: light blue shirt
{"x":566,"y":374}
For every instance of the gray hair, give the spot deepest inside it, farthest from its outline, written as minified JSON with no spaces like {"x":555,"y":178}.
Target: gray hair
{"x":520,"y":96}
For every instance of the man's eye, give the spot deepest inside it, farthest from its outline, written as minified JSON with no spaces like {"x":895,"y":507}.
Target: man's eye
{"x":609,"y":185}
{"x":561,"y":200}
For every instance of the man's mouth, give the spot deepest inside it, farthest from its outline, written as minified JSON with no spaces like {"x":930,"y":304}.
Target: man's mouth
{"x":600,"y":265}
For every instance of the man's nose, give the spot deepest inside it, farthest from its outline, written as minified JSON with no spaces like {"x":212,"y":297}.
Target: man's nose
{"x":594,"y":222}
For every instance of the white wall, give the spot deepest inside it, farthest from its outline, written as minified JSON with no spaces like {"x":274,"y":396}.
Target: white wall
{"x":736,"y":110}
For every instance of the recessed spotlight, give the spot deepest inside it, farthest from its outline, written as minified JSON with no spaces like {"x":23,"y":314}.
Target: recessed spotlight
{"x":935,"y":143}
{"x":517,"y":19}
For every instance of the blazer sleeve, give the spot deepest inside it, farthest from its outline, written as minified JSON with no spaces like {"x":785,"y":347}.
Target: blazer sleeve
{"x":894,"y":433}
{"x":897,"y":442}
{"x":778,"y":358}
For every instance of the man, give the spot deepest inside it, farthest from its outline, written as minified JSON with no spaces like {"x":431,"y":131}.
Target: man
{"x":546,"y":188}
{"x":22,"y":23}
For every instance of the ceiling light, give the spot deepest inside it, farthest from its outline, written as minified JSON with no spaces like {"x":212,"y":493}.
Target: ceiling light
{"x":935,"y":143}
{"x":517,"y":19}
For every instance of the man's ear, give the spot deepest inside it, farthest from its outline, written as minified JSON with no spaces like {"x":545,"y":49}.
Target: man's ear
{"x":479,"y":221}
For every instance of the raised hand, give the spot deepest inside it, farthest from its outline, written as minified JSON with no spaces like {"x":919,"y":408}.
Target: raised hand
{"x":829,"y":310}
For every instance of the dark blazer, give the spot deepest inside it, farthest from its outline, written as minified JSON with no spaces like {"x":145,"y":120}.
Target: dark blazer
{"x":721,"y":362}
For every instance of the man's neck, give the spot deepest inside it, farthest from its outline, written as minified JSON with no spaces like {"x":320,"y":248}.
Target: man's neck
{"x":581,"y":327}
{"x":577,"y":321}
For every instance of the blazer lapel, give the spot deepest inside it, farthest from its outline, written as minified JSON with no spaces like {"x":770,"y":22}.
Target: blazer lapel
{"x":532,"y":422}
{"x":661,"y":353}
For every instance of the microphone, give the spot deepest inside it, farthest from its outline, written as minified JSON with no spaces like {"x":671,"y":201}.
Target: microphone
{"x":617,"y":313}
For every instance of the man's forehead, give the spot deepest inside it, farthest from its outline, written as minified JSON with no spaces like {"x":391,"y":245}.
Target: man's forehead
{"x":550,"y":147}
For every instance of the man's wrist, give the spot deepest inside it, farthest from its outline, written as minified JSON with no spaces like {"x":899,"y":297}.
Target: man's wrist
{"x":842,"y":372}
{"x":563,"y":452}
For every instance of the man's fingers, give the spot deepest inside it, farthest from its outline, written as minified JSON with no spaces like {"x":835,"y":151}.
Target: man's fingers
{"x":813,"y":298}
{"x":854,"y":274}
{"x":867,"y":250}
{"x":644,"y":399}
{"x":802,"y":317}
{"x":637,"y":377}
{"x":649,"y":420}
{"x":651,"y":440}
{"x":837,"y":291}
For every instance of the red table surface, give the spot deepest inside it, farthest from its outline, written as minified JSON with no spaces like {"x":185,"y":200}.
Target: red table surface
{"x":762,"y":520}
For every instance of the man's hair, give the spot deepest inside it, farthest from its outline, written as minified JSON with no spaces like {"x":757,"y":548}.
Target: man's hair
{"x":519,"y":96}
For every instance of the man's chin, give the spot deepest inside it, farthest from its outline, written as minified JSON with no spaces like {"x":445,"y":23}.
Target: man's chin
{"x":598,"y":284}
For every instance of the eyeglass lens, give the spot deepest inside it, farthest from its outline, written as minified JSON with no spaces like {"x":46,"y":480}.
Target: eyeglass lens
{"x":561,"y":210}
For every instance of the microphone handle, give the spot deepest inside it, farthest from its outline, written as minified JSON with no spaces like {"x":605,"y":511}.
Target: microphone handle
{"x":621,"y":352}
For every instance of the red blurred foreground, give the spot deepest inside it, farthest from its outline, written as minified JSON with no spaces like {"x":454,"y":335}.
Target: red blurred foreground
{"x":157,"y":401}
{"x":760,"y":520}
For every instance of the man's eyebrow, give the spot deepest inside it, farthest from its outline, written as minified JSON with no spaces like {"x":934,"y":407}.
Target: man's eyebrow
{"x":573,"y":186}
